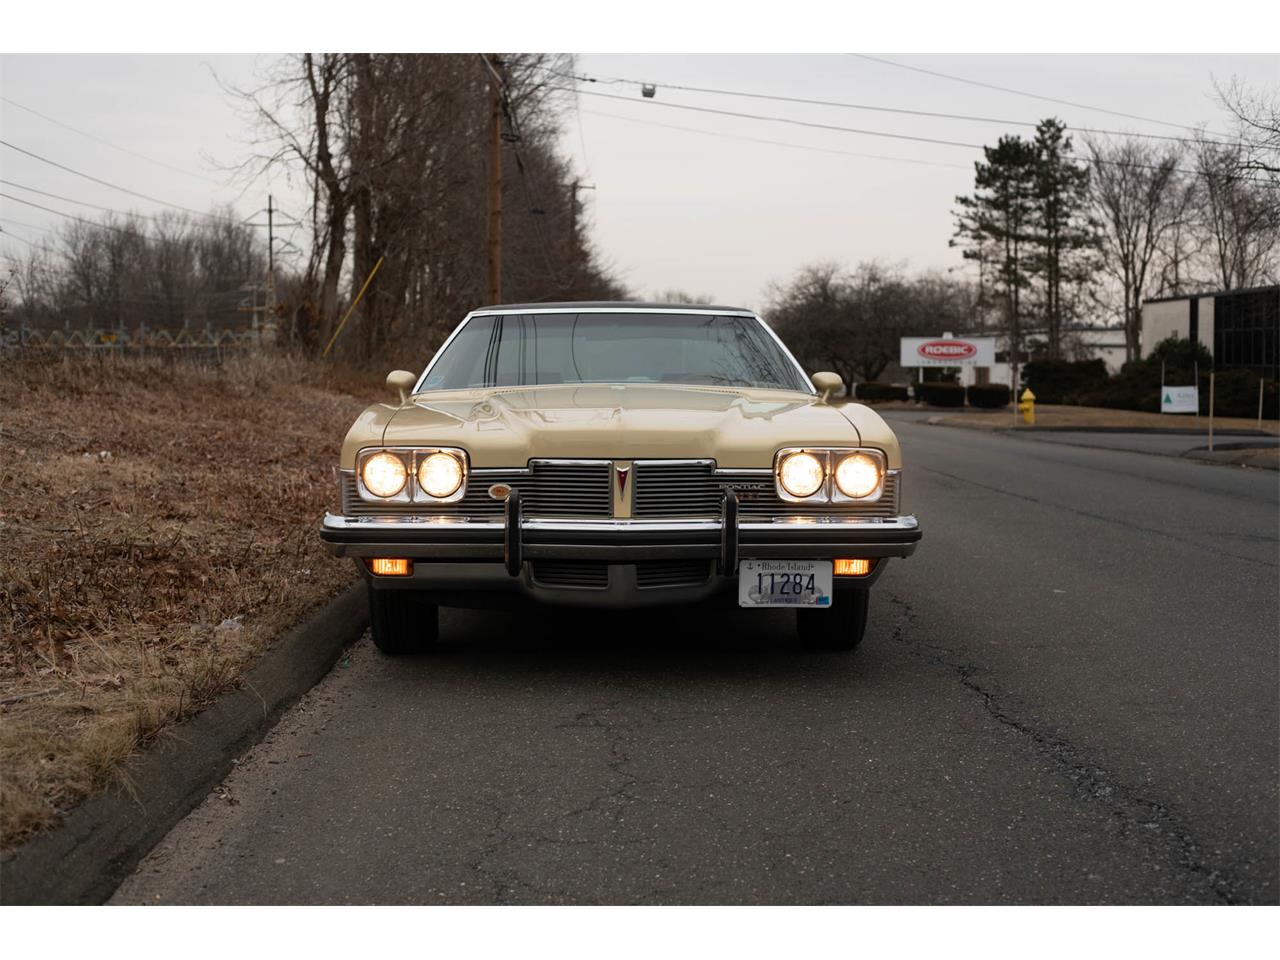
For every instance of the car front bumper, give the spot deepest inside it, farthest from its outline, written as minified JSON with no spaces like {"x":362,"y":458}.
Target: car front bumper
{"x":463,"y":558}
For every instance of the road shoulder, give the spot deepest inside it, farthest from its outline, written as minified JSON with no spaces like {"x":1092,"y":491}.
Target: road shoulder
{"x":99,"y":843}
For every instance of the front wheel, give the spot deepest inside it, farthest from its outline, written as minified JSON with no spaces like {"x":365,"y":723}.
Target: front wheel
{"x":840,"y":628}
{"x":401,"y":622}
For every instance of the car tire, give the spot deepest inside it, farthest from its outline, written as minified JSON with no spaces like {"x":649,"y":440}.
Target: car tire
{"x":840,"y":628}
{"x":401,"y":622}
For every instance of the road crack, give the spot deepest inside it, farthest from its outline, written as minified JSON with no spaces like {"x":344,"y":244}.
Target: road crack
{"x":1138,"y":819}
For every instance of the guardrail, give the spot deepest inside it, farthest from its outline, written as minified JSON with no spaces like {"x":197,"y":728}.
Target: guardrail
{"x":102,"y":339}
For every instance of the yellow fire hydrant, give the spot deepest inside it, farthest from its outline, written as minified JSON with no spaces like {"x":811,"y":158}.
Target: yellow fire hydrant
{"x":1027,"y":404}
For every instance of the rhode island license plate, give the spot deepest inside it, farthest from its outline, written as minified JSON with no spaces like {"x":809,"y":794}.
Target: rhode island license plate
{"x":784,"y":583}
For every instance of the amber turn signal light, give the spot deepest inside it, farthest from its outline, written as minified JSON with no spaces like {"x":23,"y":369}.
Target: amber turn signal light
{"x":391,"y":566}
{"x":853,"y":568}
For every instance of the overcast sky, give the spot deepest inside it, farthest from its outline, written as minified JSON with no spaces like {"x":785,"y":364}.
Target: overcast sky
{"x":672,"y":208}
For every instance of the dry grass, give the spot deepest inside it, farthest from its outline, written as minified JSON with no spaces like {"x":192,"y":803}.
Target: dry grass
{"x":1050,"y":415}
{"x":159,"y":528}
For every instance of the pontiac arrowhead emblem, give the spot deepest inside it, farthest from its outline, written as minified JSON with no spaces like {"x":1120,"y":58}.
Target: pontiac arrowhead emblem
{"x":621,"y":495}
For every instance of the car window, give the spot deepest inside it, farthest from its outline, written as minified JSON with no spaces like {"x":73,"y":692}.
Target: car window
{"x":532,"y":349}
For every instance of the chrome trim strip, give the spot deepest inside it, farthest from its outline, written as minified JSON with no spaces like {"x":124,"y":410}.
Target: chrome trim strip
{"x":673,"y":462}
{"x":557,"y":462}
{"x":336,"y":522}
{"x":728,"y":312}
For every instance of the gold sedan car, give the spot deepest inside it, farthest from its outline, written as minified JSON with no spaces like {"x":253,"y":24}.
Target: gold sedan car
{"x":618,"y":455}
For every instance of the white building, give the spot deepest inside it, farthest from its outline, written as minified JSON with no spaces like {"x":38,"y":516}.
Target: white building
{"x":1079,"y":343}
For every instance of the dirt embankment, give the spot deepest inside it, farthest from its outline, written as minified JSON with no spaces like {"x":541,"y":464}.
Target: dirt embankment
{"x":159,"y":529}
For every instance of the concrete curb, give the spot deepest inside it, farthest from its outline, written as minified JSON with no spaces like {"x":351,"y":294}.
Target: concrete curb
{"x":1166,"y":431}
{"x":84,"y":859}
{"x":1233,"y":455}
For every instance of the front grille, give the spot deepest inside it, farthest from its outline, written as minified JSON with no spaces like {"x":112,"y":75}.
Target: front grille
{"x":676,"y":490}
{"x":546,"y":490}
{"x":695,"y":489}
{"x":476,"y":503}
{"x":581,"y":574}
{"x":655,"y":574}
{"x":565,"y":490}
{"x":594,"y":574}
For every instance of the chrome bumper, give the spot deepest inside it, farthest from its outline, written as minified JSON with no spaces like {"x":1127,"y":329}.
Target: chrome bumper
{"x":514,"y":540}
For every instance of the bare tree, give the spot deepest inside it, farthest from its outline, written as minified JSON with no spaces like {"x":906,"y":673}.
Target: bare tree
{"x":1136,"y":202}
{"x":851,"y":321}
{"x":1257,"y":116}
{"x":1239,"y":213}
{"x":390,"y":145}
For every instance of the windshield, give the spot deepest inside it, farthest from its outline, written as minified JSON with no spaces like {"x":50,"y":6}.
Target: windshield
{"x":542,"y":348}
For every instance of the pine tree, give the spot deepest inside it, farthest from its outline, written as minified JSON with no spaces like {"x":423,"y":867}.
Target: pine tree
{"x":1061,"y":231}
{"x":995,"y":225}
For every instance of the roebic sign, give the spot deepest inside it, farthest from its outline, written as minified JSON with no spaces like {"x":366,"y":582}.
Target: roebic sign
{"x":948,"y":351}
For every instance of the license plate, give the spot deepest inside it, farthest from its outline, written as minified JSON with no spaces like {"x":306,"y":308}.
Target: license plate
{"x":784,"y":583}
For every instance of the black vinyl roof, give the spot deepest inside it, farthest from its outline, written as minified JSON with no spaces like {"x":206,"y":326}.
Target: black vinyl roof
{"x":571,"y":305}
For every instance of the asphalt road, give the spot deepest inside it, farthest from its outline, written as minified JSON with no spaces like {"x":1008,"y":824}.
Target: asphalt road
{"x":1069,"y":695}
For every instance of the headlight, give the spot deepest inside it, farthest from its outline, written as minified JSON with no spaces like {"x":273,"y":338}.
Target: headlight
{"x":801,"y":474}
{"x":858,"y":475}
{"x":384,"y":474}
{"x":440,"y":475}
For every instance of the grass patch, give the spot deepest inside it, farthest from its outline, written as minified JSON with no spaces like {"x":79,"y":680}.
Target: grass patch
{"x":159,"y":528}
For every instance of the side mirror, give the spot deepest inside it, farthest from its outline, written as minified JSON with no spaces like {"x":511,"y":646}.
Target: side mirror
{"x":401,"y":381}
{"x":827,"y":384}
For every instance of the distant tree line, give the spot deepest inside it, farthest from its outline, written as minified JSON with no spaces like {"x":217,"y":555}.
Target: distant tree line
{"x":1061,"y":241}
{"x":132,"y":273}
{"x":850,"y":321}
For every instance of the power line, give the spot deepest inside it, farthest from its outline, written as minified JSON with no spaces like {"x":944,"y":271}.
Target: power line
{"x":779,"y":143}
{"x":13,"y":236}
{"x":108,"y":143}
{"x":79,"y":203}
{"x":1023,"y":93}
{"x":873,"y":133}
{"x":29,"y":226}
{"x":787,"y":120}
{"x":108,"y":183}
{"x":59,"y":213}
{"x":535,"y":213}
{"x":870,"y":107}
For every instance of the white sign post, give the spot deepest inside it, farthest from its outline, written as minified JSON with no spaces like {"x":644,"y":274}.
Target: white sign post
{"x":1179,"y":400}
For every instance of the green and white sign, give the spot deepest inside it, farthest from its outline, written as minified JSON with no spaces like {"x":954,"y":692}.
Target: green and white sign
{"x":1179,"y":400}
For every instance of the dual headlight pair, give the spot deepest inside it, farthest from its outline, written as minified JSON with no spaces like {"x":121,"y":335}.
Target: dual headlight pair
{"x":829,"y":475}
{"x":426,"y":474}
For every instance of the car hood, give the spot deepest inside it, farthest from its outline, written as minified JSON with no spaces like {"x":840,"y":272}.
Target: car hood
{"x":505,"y":427}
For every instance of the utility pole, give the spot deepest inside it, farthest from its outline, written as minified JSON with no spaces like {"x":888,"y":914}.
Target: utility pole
{"x":573,"y":210}
{"x":269,"y":327}
{"x":495,"y":181}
